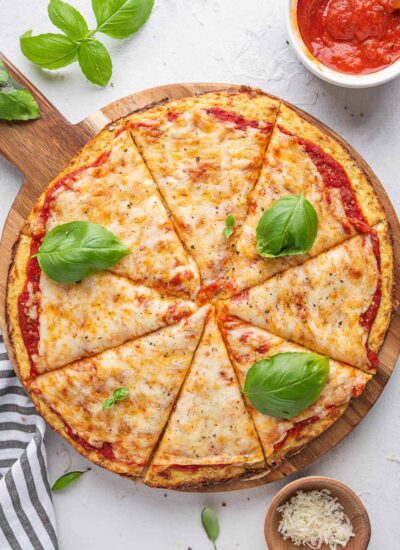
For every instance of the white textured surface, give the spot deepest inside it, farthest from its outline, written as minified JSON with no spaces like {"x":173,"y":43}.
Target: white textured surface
{"x":224,"y":41}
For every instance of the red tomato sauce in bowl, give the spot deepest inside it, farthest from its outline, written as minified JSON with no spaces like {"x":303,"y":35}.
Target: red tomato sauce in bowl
{"x":351,"y":36}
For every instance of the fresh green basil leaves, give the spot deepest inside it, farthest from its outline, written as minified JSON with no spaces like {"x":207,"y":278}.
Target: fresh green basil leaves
{"x":4,"y":76}
{"x":285,"y":384}
{"x":15,"y":102}
{"x":68,"y":19}
{"x":210,"y":523}
{"x":119,"y":395}
{"x":229,"y":226}
{"x":66,"y":480}
{"x":121,"y":18}
{"x":75,"y":250}
{"x":95,"y":62}
{"x":49,"y":51}
{"x":287,"y":228}
{"x":116,"y":18}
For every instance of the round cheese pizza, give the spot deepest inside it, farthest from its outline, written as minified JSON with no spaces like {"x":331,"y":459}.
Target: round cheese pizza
{"x":142,"y":366}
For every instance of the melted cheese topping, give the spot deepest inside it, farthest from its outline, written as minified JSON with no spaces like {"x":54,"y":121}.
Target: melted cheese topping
{"x":152,"y":368}
{"x":248,"y":344}
{"x":320,"y":303}
{"x":210,"y":424}
{"x":121,"y":195}
{"x":289,"y":170}
{"x":102,"y":311}
{"x":206,"y":167}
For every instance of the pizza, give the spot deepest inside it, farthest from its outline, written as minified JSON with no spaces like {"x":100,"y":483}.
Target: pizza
{"x":303,"y":159}
{"x":111,"y":186}
{"x":142,"y":365}
{"x":205,"y":154}
{"x":53,"y":324}
{"x":151,"y":367}
{"x":209,"y":436}
{"x":337,"y":303}
{"x":279,"y":437}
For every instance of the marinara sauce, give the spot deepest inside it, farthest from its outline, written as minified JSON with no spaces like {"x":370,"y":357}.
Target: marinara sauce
{"x":351,"y":36}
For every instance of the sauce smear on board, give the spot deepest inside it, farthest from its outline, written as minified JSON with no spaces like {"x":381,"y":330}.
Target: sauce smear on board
{"x":351,"y":36}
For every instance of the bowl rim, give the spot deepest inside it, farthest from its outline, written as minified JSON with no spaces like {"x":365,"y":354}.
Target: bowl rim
{"x":326,"y":73}
{"x":323,"y":482}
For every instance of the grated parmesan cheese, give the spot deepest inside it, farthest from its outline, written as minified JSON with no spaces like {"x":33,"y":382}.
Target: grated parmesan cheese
{"x":315,"y":518}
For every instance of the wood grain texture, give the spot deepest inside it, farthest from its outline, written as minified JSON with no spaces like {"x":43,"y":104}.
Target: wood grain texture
{"x":38,"y":150}
{"x":352,"y":505}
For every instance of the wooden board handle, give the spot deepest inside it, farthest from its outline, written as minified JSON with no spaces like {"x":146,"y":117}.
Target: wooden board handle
{"x":38,"y":147}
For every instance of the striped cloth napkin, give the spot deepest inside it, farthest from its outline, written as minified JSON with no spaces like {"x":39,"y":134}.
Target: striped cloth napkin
{"x":26,"y":510}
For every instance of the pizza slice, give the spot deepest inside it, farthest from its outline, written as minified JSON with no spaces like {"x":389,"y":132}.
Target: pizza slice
{"x":149,"y":370}
{"x":205,"y":154}
{"x":280,"y":437}
{"x":338,"y":304}
{"x":52,"y":324}
{"x":108,"y":183}
{"x":303,"y":159}
{"x":210,"y":436}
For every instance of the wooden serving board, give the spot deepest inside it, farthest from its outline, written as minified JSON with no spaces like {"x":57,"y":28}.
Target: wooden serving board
{"x":42,"y":148}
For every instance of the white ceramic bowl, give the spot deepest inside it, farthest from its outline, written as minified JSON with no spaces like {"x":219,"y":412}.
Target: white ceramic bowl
{"x":327,"y":74}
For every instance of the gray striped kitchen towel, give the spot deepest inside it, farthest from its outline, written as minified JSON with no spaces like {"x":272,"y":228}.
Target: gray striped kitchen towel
{"x":26,"y":510}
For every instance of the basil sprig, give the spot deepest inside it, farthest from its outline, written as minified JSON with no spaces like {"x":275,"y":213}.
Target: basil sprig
{"x":117,"y":19}
{"x":287,"y":228}
{"x":119,"y":395}
{"x":286,"y":384}
{"x":16,"y":103}
{"x":66,"y":480}
{"x":229,"y":226}
{"x":210,"y":523}
{"x":72,"y":251}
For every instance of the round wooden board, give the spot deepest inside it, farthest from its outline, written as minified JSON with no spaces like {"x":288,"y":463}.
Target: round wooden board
{"x":42,"y":148}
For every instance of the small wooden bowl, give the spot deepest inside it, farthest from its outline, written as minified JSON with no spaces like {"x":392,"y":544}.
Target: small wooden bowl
{"x":352,"y":505}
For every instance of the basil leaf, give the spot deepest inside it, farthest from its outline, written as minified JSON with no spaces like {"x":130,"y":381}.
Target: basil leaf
{"x":18,"y":105}
{"x":68,"y":19}
{"x":121,"y":18}
{"x":15,"y":102}
{"x":229,"y":225}
{"x":120,"y":394}
{"x":108,"y":403}
{"x":287,"y":228}
{"x":49,"y":51}
{"x":210,"y":523}
{"x":66,"y":480}
{"x":95,"y":62}
{"x":75,"y":250}
{"x":4,"y":76}
{"x":286,"y":384}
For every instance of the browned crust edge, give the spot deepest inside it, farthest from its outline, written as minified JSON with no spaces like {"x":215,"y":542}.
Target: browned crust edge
{"x":235,"y":473}
{"x":386,"y":309}
{"x":294,"y":445}
{"x":240,"y":89}
{"x":15,"y":284}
